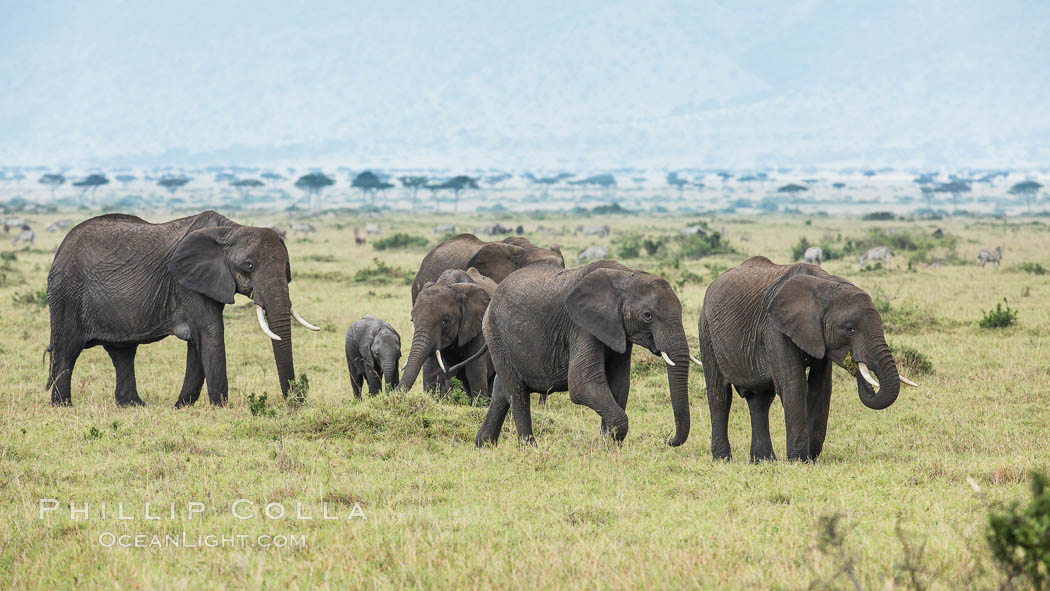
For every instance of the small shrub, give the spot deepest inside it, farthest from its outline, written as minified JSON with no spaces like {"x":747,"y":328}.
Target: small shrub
{"x":653,"y":246}
{"x":457,"y":394}
{"x":630,"y":247}
{"x":400,"y":240}
{"x":1000,"y":317}
{"x":298,"y":389}
{"x":257,"y":406}
{"x":93,"y":433}
{"x":1019,"y":537}
{"x":694,"y":246}
{"x":32,"y":298}
{"x":8,"y":257}
{"x":911,"y":362}
{"x":1033,"y":268}
{"x":878,"y":216}
{"x":381,"y":272}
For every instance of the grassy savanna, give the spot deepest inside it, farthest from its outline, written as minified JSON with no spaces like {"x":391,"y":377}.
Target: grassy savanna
{"x":576,"y":512}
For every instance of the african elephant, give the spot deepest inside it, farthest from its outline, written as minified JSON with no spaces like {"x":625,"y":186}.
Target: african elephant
{"x":763,"y":325}
{"x":494,"y":260}
{"x":446,"y":320}
{"x":120,"y":282}
{"x":554,"y":330}
{"x":373,"y":350}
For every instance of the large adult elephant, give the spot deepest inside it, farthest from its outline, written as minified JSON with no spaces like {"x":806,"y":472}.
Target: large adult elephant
{"x":493,"y":260}
{"x":554,"y":330}
{"x":763,"y":325}
{"x":120,"y":282}
{"x":446,"y":320}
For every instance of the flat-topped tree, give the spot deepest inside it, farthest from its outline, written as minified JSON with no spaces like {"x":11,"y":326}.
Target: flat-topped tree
{"x":413,"y":184}
{"x":792,"y":188}
{"x":244,"y":186}
{"x":457,"y":185}
{"x":173,"y":183}
{"x":91,"y":183}
{"x":53,"y":181}
{"x":370,"y":183}
{"x":1026,"y":190}
{"x":125,"y":179}
{"x":313,"y":184}
{"x":955,"y":188}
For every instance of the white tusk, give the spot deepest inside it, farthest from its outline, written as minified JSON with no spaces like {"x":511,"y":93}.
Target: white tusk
{"x":262,"y":324}
{"x":863,"y":368}
{"x":695,"y":360}
{"x":303,"y":320}
{"x":437,"y":353}
{"x":666,"y":358}
{"x":908,"y":382}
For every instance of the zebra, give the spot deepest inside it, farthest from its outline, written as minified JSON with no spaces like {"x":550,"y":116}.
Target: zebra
{"x":593,"y":230}
{"x":813,"y":255}
{"x":303,"y":228}
{"x":878,"y":253}
{"x":592,"y":253}
{"x":26,"y":236}
{"x":990,"y":256}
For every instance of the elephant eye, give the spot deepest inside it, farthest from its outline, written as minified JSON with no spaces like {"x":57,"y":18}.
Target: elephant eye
{"x":249,"y":266}
{"x":647,"y":316}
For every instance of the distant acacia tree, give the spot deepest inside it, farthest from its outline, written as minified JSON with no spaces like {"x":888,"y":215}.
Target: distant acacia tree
{"x":313,"y":184}
{"x":676,"y":181}
{"x":272,"y":176}
{"x":792,"y":188}
{"x":53,"y":181}
{"x":1027,"y":190}
{"x":173,"y":183}
{"x":370,"y":183}
{"x":125,"y":179}
{"x":413,"y":184}
{"x":955,"y":188}
{"x":91,"y":183}
{"x":245,"y":186}
{"x":457,"y":185}
{"x":604,"y":181}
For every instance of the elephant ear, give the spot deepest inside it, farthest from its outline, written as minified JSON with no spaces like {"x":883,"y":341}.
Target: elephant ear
{"x":595,"y":306}
{"x":199,"y":263}
{"x":497,"y":260}
{"x":797,"y":312}
{"x":473,"y":301}
{"x":364,"y":348}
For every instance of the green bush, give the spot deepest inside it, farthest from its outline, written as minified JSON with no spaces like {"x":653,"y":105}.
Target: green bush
{"x":298,"y":389}
{"x":1019,"y":537}
{"x":878,"y":216}
{"x":911,"y":362}
{"x":1000,"y":317}
{"x":630,"y":247}
{"x":257,"y":406}
{"x":694,"y":246}
{"x":381,"y":272}
{"x":1033,"y":268}
{"x":400,"y":240}
{"x":828,"y":251}
{"x":32,"y":298}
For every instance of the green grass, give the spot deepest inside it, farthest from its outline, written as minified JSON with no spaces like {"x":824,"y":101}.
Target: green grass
{"x":577,"y":511}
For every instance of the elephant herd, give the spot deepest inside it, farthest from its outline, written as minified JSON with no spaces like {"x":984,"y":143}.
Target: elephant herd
{"x":506,"y":319}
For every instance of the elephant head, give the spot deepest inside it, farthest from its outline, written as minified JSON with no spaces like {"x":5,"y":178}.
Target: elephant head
{"x":617,"y":306}
{"x":221,"y":261}
{"x":382,"y":355}
{"x":830,"y":317}
{"x":444,"y":315}
{"x":496,"y":260}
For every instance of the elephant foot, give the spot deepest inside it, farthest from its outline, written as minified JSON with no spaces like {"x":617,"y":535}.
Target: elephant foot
{"x":721,"y":452}
{"x":481,"y":441}
{"x":136,"y":401}
{"x":220,"y":399}
{"x":764,"y":456}
{"x":617,"y":432}
{"x":61,"y":402}
{"x":527,"y":441}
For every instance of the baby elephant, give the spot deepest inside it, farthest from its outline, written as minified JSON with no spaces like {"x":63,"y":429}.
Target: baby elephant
{"x":373,"y":349}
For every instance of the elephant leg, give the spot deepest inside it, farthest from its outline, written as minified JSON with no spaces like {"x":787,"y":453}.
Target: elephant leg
{"x":543,"y":398}
{"x":434,"y":380}
{"x":758,"y":405}
{"x":375,"y":383}
{"x":494,"y":418}
{"x":719,"y":401}
{"x":589,"y":386}
{"x":819,"y":383}
{"x":789,"y":381}
{"x":356,"y":379}
{"x":123,"y":359}
{"x":618,"y":374}
{"x":213,"y":358}
{"x":62,"y":363}
{"x":477,"y":379}
{"x":194,"y":378}
{"x":521,"y":404}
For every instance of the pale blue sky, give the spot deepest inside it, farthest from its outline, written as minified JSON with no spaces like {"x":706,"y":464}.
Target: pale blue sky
{"x":817,"y":83}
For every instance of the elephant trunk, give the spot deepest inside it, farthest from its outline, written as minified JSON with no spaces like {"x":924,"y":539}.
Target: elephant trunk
{"x":277,"y":306}
{"x":678,"y":384}
{"x":389,"y":367}
{"x":423,"y":346}
{"x":885,"y":369}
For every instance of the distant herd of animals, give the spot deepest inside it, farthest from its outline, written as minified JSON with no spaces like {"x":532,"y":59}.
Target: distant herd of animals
{"x":505,"y":318}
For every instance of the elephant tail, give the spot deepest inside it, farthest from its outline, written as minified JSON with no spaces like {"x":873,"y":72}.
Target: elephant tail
{"x":484,"y":349}
{"x":49,"y":355}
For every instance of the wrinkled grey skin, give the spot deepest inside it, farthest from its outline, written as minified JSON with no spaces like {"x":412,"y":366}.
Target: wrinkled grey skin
{"x":554,"y":330}
{"x":373,"y":352}
{"x":120,"y":282}
{"x":447,"y":316}
{"x":762,"y":326}
{"x":494,"y":260}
